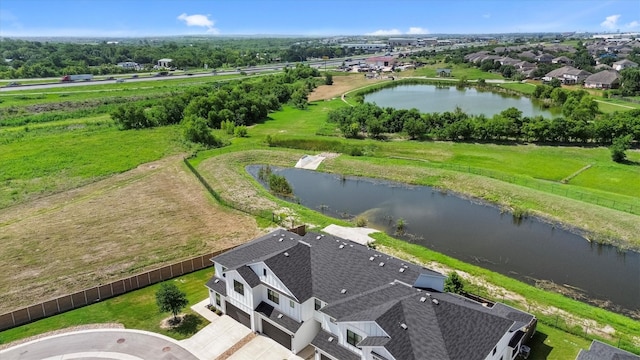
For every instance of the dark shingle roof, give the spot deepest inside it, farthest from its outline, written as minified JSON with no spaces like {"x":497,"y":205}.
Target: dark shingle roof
{"x":293,"y":268}
{"x":601,"y":351}
{"x":249,"y":276}
{"x":257,"y":249}
{"x":603,"y":77}
{"x":374,"y":341}
{"x":218,"y":285}
{"x":321,"y":341}
{"x":277,"y":317}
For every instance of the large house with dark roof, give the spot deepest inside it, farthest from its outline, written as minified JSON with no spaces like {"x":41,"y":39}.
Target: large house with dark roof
{"x":601,"y":351}
{"x":349,"y":301}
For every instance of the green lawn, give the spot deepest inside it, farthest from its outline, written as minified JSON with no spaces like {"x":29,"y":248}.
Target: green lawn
{"x":135,"y":310}
{"x":458,"y":71}
{"x":53,"y":158}
{"x":524,"y":88}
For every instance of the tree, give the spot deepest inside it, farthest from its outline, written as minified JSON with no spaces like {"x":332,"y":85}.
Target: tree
{"x":630,"y":81}
{"x":196,"y":130}
{"x":170,"y":298}
{"x":453,"y":283}
{"x":328,"y":79}
{"x":618,"y":148}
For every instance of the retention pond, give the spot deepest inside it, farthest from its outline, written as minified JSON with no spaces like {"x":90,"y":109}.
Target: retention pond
{"x":527,"y":249}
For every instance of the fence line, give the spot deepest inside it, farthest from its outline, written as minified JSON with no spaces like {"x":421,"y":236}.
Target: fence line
{"x":101,"y":292}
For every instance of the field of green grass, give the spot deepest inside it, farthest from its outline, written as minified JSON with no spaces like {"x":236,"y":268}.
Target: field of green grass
{"x":458,"y":71}
{"x":135,"y":310}
{"x":57,"y":156}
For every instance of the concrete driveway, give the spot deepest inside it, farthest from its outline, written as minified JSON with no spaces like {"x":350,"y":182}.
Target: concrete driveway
{"x":216,"y":338}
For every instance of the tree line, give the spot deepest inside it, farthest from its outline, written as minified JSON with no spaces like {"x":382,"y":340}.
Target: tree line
{"x":35,"y":59}
{"x":221,"y":106}
{"x":578,"y":125}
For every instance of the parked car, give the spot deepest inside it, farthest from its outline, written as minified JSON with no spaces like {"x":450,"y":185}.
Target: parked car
{"x":13,"y":83}
{"x":120,"y":80}
{"x":134,"y":76}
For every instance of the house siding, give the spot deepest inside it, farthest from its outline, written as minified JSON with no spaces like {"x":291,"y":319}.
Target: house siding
{"x":304,"y":335}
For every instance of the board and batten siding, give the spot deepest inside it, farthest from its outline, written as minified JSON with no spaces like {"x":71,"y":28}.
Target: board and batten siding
{"x":243,"y":302}
{"x":270,"y":279}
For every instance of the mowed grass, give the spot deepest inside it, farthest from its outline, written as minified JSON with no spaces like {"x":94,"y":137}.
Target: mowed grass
{"x":458,"y":71}
{"x":56,"y":158}
{"x":134,"y":310}
{"x":29,"y":96}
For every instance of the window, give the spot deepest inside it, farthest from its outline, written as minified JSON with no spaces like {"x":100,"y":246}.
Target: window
{"x":264,"y":272}
{"x":317,"y":305}
{"x":273,"y":296}
{"x":217,"y":299}
{"x":353,"y":338}
{"x":292,"y":304}
{"x":238,"y":287}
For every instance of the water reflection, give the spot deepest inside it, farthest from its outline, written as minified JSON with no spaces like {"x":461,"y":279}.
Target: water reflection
{"x":522,"y":247}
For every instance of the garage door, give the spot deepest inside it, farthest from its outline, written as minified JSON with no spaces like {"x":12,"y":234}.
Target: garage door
{"x":276,"y":334}
{"x":324,"y":357}
{"x":239,"y":315}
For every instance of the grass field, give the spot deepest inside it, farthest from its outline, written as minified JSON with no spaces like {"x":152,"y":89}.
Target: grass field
{"x":134,"y":310}
{"x":458,"y":71}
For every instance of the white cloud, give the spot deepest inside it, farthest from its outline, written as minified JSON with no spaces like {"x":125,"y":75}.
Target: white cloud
{"x":385,"y":32}
{"x":610,"y":22}
{"x":417,"y":31}
{"x":200,"y":21}
{"x":633,"y":24}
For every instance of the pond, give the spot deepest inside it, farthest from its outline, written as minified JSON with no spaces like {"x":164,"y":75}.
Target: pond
{"x":527,"y":249}
{"x":432,"y":98}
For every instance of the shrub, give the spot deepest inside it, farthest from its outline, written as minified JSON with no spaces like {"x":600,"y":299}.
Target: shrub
{"x":361,"y":221}
{"x":279,"y":185}
{"x":240,"y":131}
{"x":453,"y":283}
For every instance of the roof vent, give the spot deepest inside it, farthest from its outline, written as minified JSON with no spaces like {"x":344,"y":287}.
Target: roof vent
{"x":351,"y":245}
{"x":435,"y":301}
{"x":330,"y":339}
{"x":429,"y":294}
{"x":318,"y":237}
{"x":343,"y":291}
{"x":404,"y":326}
{"x":216,"y":281}
{"x":423,"y":299}
{"x":401,"y":269}
{"x":279,"y":316}
{"x":341,"y":246}
{"x":371,"y":258}
{"x":286,"y":254}
{"x":381,"y":264}
{"x":280,"y":240}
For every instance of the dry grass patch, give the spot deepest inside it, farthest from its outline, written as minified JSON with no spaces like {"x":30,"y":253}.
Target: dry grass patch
{"x":341,"y":84}
{"x":150,"y":216}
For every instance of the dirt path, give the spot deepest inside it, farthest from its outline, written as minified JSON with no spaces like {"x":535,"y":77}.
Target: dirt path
{"x":155,"y":214}
{"x":341,"y":84}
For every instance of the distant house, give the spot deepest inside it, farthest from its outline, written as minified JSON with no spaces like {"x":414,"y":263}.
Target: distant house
{"x":443,"y":72}
{"x":129,"y":65}
{"x":601,"y":351}
{"x":605,"y":79}
{"x":567,"y":75}
{"x":403,"y":42}
{"x":544,"y":58}
{"x":562,"y":60}
{"x":623,"y":64}
{"x":351,"y":302}
{"x":165,"y":63}
{"x":381,"y":61}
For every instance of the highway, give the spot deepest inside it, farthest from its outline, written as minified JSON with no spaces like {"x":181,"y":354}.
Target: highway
{"x":319,"y":64}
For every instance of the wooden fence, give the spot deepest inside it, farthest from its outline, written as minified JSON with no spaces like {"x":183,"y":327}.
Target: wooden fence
{"x":101,"y":292}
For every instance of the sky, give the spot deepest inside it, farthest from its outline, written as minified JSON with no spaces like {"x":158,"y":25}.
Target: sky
{"x":138,"y":18}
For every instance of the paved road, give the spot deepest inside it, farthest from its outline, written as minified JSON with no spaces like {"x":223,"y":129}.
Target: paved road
{"x":101,"y":344}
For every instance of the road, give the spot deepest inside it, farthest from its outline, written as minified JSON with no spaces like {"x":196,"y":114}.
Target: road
{"x":318,"y":64}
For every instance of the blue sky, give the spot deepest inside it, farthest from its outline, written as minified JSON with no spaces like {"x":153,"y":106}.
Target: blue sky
{"x":119,"y":18}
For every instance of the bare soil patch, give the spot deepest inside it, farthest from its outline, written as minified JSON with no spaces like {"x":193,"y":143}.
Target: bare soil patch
{"x":341,"y":84}
{"x":151,"y":216}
